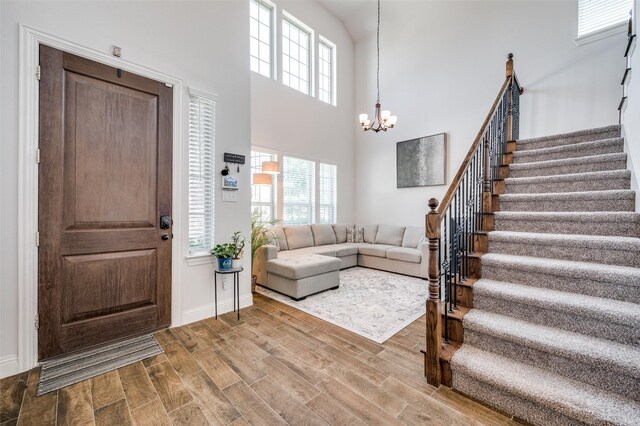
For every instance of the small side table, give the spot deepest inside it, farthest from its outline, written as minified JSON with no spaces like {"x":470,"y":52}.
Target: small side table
{"x":236,"y":287}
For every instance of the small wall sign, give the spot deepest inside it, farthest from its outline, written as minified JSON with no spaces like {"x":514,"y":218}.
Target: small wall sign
{"x":233,"y":158}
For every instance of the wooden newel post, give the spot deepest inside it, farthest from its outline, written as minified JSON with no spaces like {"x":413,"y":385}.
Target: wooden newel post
{"x":509,"y":98}
{"x":434,"y":321}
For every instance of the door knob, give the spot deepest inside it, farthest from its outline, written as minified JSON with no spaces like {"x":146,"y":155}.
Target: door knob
{"x":164,"y":237}
{"x":165,"y":222}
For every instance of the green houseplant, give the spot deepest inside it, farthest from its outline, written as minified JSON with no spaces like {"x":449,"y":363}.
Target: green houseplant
{"x":260,"y":235}
{"x":238,"y":244}
{"x":224,"y":253}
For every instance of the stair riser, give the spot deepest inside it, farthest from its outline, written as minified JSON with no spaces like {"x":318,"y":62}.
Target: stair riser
{"x":584,"y":152}
{"x":572,"y":284}
{"x":568,"y":169}
{"x":576,"y":369}
{"x":626,"y":205}
{"x":551,"y":143}
{"x":571,"y":186}
{"x":621,"y":229}
{"x":596,"y":327}
{"x":503,"y":400}
{"x":594,"y":255}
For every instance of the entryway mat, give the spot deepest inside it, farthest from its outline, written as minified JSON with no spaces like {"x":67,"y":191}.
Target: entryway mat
{"x":76,"y":367}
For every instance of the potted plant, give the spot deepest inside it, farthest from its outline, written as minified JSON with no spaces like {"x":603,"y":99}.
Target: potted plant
{"x":238,"y":243}
{"x":224,"y":253}
{"x":260,"y":235}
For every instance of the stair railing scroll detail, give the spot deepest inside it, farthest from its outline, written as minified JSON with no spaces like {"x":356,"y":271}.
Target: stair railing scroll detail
{"x":453,"y":226}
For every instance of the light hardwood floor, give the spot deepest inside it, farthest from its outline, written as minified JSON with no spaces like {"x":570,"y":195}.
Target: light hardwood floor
{"x":276,"y":366}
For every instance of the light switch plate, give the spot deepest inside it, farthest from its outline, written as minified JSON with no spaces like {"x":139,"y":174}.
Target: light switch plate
{"x":230,"y":196}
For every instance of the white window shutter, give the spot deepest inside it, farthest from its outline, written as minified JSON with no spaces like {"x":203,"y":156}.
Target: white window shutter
{"x":298,"y":186}
{"x":202,"y":111}
{"x":597,"y":15}
{"x":328,"y":192}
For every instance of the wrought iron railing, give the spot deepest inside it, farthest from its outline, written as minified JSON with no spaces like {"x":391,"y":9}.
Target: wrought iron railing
{"x":455,"y":225}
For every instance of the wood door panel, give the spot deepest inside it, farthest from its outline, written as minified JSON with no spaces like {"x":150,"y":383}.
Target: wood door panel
{"x":106,"y":283}
{"x":104,"y":268}
{"x":111,"y":154}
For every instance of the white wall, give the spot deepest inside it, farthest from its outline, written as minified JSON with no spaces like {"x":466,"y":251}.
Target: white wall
{"x":203,"y":43}
{"x":631,"y":115}
{"x":288,"y":121}
{"x":442,"y":64}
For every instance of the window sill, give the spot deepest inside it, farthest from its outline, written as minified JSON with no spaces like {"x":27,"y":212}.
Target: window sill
{"x":199,"y":259}
{"x":601,"y":34}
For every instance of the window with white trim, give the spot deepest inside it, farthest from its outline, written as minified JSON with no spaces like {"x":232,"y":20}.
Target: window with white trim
{"x":326,"y":67}
{"x":202,"y":120}
{"x":260,"y":36}
{"x":296,"y":55}
{"x":298,"y":189}
{"x":263,"y":197}
{"x":599,"y":15}
{"x":327,"y":175}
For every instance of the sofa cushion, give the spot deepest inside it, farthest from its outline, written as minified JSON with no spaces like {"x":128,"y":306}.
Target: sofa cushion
{"x":405,"y":254}
{"x":280,"y":240}
{"x":303,"y":266}
{"x":323,"y":235}
{"x":377,"y":250}
{"x":412,"y":236}
{"x":346,"y":249}
{"x":341,"y":232}
{"x":355,"y":234}
{"x":390,"y":234}
{"x":328,"y":250}
{"x":369,"y":233}
{"x":298,"y":236}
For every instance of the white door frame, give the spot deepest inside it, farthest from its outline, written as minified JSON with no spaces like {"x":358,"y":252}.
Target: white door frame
{"x":30,"y":40}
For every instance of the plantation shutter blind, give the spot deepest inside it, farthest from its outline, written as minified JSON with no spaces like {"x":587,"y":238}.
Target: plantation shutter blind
{"x":595,"y":15}
{"x":202,"y":113}
{"x":263,"y":197}
{"x":328,"y":192}
{"x":298,"y":187}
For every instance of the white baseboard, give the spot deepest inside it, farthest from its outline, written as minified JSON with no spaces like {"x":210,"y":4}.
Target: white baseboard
{"x":8,"y":366}
{"x":200,"y":313}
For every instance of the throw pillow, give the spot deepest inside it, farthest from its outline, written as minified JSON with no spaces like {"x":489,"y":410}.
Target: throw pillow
{"x":355,"y":235}
{"x":350,"y":231}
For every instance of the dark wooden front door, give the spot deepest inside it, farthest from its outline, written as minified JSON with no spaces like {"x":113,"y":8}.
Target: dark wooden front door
{"x":105,"y":140}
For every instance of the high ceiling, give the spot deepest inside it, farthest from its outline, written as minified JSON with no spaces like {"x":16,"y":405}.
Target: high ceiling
{"x":358,"y":16}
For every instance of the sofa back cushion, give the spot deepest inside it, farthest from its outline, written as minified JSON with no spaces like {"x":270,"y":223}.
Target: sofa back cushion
{"x":412,"y":236}
{"x":279,"y":238}
{"x":323,"y":235}
{"x":355,"y":234}
{"x":298,"y":236}
{"x":341,"y":232}
{"x":369,"y":233}
{"x":389,"y":234}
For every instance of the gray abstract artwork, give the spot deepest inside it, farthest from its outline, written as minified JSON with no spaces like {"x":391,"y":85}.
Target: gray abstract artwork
{"x":421,"y":162}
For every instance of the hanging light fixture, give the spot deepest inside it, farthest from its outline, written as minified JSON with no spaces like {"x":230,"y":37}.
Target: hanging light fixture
{"x":271,"y":167}
{"x":262,"y":179}
{"x":382,"y":120}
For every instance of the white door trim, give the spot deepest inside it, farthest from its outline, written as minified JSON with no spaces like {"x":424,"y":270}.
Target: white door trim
{"x":30,"y":40}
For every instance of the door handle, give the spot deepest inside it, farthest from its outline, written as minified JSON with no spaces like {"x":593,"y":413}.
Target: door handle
{"x":164,"y":237}
{"x":165,"y":222}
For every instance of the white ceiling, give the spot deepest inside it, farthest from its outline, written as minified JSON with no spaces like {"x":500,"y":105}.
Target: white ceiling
{"x":358,"y":16}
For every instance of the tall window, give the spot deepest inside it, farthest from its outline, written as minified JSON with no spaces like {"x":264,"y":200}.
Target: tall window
{"x":296,"y":55}
{"x":202,"y":116}
{"x":261,"y":17}
{"x":298,"y":188}
{"x":599,"y":15}
{"x":327,"y":174}
{"x":326,"y":71}
{"x":263,"y":197}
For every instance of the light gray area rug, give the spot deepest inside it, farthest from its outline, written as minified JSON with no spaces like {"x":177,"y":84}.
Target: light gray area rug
{"x":78,"y":366}
{"x":371,"y":303}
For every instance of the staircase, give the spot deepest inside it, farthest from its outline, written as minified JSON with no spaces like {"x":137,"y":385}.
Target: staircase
{"x":553,"y":336}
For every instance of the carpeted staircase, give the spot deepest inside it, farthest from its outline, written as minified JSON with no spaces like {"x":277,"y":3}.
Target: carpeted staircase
{"x":554,"y":333}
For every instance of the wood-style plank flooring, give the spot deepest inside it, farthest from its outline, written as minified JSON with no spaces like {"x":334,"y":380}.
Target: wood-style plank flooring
{"x":276,"y":366}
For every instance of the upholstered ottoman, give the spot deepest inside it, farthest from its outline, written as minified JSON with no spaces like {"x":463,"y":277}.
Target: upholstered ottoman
{"x":304,"y":275}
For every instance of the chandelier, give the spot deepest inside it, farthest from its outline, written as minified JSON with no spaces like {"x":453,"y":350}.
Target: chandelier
{"x":382,"y":120}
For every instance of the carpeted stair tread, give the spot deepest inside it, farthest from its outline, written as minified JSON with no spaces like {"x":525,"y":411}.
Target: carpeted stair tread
{"x":581,"y":149}
{"x":609,"y":200}
{"x":607,"y":223}
{"x":581,"y":305}
{"x":606,"y":132}
{"x":580,"y":182}
{"x":593,"y":163}
{"x":614,"y":356}
{"x":568,"y":240}
{"x":571,"y":177}
{"x":573,"y":399}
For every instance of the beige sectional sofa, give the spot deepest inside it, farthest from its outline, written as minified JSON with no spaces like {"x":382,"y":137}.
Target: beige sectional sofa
{"x":297,"y":263}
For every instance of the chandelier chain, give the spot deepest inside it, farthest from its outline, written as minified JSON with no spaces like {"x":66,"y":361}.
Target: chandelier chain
{"x":378,"y":53}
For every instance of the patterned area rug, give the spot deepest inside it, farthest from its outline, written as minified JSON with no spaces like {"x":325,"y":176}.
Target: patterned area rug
{"x":371,"y":303}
